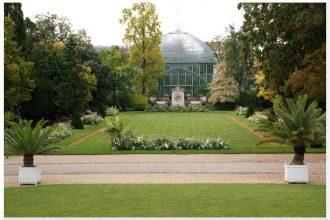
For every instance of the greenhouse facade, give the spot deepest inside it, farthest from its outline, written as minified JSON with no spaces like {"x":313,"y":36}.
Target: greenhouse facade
{"x":189,"y":63}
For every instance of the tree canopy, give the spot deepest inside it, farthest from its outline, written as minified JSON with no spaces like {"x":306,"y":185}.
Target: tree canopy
{"x":143,"y":35}
{"x":224,"y":87}
{"x":18,"y":81}
{"x":281,"y":35}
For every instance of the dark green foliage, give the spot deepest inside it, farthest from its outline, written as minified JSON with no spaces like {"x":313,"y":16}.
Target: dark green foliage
{"x":250,"y":110}
{"x":14,"y":12}
{"x":225,"y":106}
{"x":139,"y":102}
{"x":49,"y":64}
{"x":76,"y":122}
{"x":281,"y":34}
{"x":238,"y":58}
{"x":119,"y":73}
{"x":18,"y":82}
{"x":76,"y":83}
{"x":102,"y":93}
{"x":203,"y":90}
{"x":102,"y":110}
{"x":63,"y":84}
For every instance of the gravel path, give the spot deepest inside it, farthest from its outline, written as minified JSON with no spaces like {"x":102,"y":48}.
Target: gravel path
{"x":152,"y":168}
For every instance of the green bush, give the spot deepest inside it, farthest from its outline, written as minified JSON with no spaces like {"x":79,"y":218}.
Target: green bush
{"x":249,"y":111}
{"x":139,"y":102}
{"x":102,"y":110}
{"x":76,"y":122}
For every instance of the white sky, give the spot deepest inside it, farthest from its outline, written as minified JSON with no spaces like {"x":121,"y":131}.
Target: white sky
{"x":100,"y":18}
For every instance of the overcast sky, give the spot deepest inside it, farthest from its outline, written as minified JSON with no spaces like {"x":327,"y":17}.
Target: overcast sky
{"x":100,"y":18}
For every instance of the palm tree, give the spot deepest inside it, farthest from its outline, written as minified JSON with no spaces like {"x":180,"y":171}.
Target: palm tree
{"x":22,"y":138}
{"x":116,"y":127}
{"x":298,"y":125}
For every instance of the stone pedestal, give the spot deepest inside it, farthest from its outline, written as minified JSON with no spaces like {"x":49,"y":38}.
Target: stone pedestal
{"x":177,"y":97}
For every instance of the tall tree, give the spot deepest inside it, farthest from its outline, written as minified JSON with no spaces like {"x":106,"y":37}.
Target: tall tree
{"x":15,"y":13}
{"x":224,"y":87}
{"x":282,"y":34}
{"x":238,"y":58}
{"x":47,"y":43}
{"x":102,"y":94}
{"x":143,"y":37}
{"x":120,"y":70}
{"x":49,"y":63}
{"x":18,"y":82}
{"x":216,"y":46}
{"x":52,"y":28}
{"x":76,"y":82}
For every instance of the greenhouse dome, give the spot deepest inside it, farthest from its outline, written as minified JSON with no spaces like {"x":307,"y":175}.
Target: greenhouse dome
{"x":188,"y":63}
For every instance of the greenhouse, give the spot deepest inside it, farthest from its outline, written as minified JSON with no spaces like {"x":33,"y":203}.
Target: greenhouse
{"x":188,"y":63}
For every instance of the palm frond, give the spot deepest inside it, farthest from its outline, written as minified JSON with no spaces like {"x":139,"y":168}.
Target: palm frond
{"x":296,"y":125}
{"x":22,"y":138}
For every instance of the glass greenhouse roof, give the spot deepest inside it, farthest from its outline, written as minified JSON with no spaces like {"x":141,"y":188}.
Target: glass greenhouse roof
{"x":181,"y":47}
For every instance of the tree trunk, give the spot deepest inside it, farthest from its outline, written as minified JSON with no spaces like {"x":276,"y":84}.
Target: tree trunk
{"x":144,"y":88}
{"x":114,"y":98}
{"x":298,"y":158}
{"x":28,"y":160}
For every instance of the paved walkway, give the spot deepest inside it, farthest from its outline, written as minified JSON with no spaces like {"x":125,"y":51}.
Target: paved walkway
{"x":153,"y":168}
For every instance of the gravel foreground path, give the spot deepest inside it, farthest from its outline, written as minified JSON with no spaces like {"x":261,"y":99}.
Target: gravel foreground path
{"x":163,"y":168}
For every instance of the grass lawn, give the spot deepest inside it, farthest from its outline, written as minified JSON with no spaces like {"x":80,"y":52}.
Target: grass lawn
{"x":78,"y":133}
{"x":166,"y":200}
{"x":181,"y":124}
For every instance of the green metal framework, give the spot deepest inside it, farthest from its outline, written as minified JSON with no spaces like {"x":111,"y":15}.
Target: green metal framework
{"x":188,"y":63}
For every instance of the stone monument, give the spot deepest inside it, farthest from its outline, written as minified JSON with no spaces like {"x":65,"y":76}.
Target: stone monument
{"x":177,"y":97}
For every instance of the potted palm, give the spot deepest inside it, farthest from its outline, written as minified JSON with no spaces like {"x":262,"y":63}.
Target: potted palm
{"x":297,"y":125}
{"x":22,"y":138}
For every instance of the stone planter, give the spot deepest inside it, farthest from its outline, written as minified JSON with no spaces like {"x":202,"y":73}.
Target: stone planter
{"x":29,"y":175}
{"x":296,"y":173}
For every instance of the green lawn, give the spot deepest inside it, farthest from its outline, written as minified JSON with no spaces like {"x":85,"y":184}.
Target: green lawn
{"x":166,"y":200}
{"x":78,"y":133}
{"x":182,"y":124}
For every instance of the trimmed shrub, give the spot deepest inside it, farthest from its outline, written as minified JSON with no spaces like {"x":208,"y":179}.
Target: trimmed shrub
{"x":250,"y":111}
{"x":102,"y":110}
{"x":139,"y":102}
{"x":76,"y":122}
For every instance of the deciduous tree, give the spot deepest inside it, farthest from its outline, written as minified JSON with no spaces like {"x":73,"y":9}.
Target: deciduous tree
{"x":143,"y":37}
{"x":238,"y":58}
{"x":224,"y":87}
{"x":282,"y":34}
{"x":120,"y":71}
{"x":310,"y":79}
